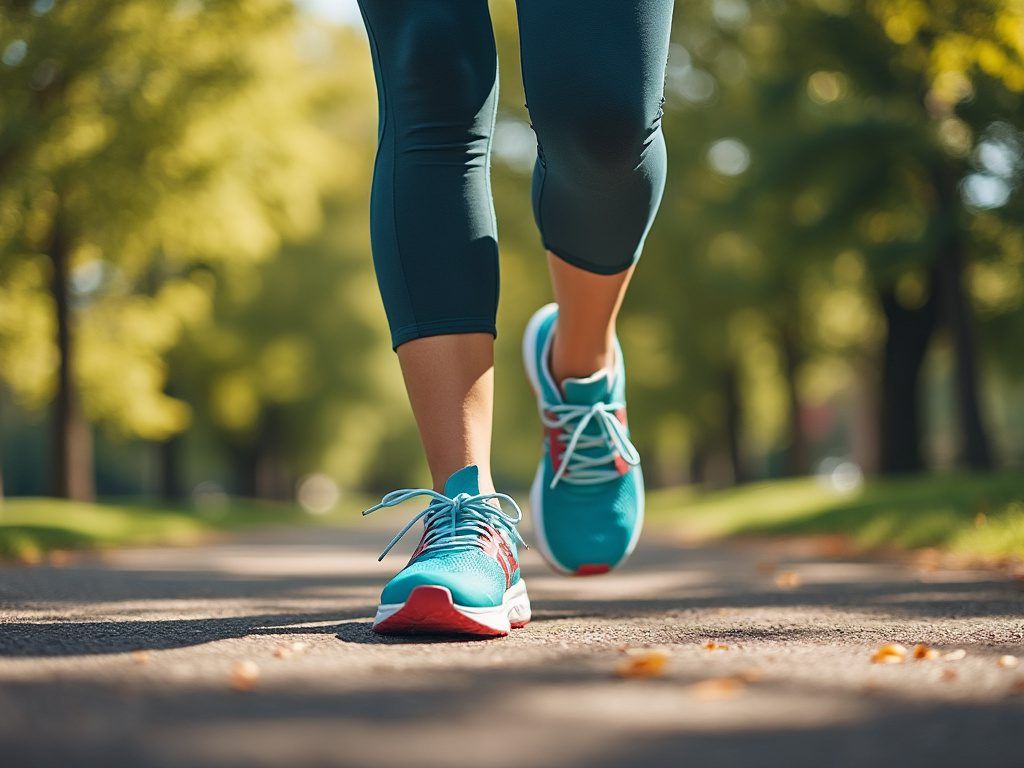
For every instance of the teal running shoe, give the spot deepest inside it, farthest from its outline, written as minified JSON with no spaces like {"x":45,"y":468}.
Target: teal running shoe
{"x":464,"y":576}
{"x":588,"y":494}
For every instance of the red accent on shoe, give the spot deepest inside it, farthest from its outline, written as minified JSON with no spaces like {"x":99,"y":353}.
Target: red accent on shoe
{"x":430,"y":610}
{"x":620,"y":463}
{"x":592,"y":569}
{"x":494,"y":545}
{"x":556,"y":447}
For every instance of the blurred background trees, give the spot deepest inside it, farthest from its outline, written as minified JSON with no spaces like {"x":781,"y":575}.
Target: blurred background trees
{"x":187,"y":298}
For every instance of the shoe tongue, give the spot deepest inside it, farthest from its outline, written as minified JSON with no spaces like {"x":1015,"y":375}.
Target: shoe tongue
{"x":466,"y":480}
{"x":596,"y":388}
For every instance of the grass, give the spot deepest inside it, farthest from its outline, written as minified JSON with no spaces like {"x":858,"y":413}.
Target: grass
{"x":32,"y":527}
{"x":973,"y":515}
{"x":979,"y":516}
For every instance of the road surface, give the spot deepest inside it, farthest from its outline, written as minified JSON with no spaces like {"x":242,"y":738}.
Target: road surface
{"x":256,"y":650}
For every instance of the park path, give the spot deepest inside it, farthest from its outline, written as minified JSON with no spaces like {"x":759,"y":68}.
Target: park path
{"x":126,"y":658}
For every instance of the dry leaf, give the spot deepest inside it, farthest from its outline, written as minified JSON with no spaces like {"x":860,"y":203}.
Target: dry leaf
{"x":752,"y":675}
{"x":787,"y":579}
{"x":244,"y":675}
{"x":714,"y":645}
{"x":282,"y":653}
{"x":889,"y":654}
{"x":58,"y":558}
{"x":717,"y":688}
{"x":922,"y":652}
{"x":948,"y":675}
{"x":140,"y":657}
{"x":644,"y":662}
{"x":956,"y":655}
{"x":1008,"y":662}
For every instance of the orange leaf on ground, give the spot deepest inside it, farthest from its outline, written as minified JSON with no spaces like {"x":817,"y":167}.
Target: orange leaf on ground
{"x":644,"y":662}
{"x":1008,"y":662}
{"x":948,"y":675}
{"x":714,"y":645}
{"x":889,"y":654}
{"x":140,"y":657}
{"x":717,"y":688}
{"x":787,"y":579}
{"x":922,"y":652}
{"x":244,"y":675}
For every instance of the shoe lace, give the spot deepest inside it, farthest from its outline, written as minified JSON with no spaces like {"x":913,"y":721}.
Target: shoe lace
{"x":453,"y":523}
{"x":580,"y":468}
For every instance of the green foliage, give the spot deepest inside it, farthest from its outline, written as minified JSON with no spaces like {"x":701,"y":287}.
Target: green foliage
{"x":150,"y":137}
{"x":31,"y":527}
{"x":974,"y":515}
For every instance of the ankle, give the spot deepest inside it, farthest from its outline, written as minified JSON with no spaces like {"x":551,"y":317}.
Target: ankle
{"x":568,"y":361}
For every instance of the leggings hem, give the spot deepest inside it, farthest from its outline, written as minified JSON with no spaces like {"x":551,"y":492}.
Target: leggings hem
{"x":588,"y":266}
{"x":442,"y":328}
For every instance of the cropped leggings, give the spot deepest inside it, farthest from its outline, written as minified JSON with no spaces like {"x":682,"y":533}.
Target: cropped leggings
{"x":594,"y":73}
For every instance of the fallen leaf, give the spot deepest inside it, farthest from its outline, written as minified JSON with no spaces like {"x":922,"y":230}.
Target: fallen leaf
{"x":1008,"y":662}
{"x":58,"y":558}
{"x":140,"y":657}
{"x":752,"y":675}
{"x":644,"y":662}
{"x":889,"y":654}
{"x":717,"y":688}
{"x":956,"y":655}
{"x":787,"y":579}
{"x":948,"y":675}
{"x":244,"y":675}
{"x":714,"y":645}
{"x":282,"y":653}
{"x":922,"y":652}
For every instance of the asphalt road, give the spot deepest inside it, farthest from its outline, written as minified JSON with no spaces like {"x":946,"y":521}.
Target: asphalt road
{"x":134,"y":658}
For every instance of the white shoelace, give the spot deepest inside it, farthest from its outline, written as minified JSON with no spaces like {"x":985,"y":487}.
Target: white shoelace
{"x":590,"y":470}
{"x":467,"y":517}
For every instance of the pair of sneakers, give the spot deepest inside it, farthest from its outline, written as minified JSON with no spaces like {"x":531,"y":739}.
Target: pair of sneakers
{"x":587,"y":501}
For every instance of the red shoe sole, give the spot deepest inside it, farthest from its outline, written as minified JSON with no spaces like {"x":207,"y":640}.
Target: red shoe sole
{"x":430,"y":610}
{"x":592,"y":569}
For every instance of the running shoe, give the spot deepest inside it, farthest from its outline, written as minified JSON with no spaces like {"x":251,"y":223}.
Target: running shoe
{"x":464,"y":576}
{"x":587,"y":497}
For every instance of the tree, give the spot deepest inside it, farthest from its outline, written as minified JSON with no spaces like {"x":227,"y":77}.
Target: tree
{"x":142,"y":138}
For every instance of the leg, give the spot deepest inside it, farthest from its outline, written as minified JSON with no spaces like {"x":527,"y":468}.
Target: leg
{"x":595,"y":98}
{"x":594,"y":76}
{"x":588,"y":305}
{"x":432,"y":220}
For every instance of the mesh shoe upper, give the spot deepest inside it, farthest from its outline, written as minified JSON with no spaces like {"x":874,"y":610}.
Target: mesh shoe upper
{"x":467,"y":546}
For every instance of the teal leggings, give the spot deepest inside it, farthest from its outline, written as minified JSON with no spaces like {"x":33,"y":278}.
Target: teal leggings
{"x":594,"y":73}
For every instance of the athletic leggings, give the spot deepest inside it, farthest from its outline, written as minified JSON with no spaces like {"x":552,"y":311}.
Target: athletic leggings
{"x":594,"y":73}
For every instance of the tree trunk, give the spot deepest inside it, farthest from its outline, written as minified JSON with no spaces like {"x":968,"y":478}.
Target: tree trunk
{"x":734,"y":424}
{"x":796,"y":451}
{"x":72,"y":438}
{"x":909,"y":331}
{"x":975,"y":450}
{"x":169,"y":467}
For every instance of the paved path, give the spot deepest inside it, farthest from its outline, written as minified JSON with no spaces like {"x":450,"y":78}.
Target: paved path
{"x":126,"y":659}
